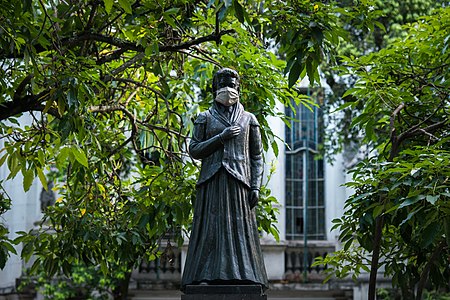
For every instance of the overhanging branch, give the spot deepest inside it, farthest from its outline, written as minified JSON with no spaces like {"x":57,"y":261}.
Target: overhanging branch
{"x":119,"y":43}
{"x":24,"y":104}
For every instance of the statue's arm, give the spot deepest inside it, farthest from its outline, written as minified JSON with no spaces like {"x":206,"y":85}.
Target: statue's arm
{"x":200,"y":147}
{"x":256,"y":158}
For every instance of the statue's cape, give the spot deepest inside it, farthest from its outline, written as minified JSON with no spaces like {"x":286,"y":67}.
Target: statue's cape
{"x":236,"y":114}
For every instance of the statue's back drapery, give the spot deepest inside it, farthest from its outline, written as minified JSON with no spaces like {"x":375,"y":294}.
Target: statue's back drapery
{"x":224,"y":245}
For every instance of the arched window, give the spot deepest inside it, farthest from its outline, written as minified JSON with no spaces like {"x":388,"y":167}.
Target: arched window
{"x":305,"y":203}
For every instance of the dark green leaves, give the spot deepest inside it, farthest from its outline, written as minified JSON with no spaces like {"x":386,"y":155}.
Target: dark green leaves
{"x":405,"y":183}
{"x":295,"y":72}
{"x":239,"y":10}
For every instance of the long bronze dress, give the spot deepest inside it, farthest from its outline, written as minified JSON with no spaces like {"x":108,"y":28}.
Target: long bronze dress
{"x":224,"y":245}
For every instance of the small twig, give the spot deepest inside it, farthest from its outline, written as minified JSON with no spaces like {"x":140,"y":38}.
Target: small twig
{"x":207,"y":59}
{"x":394,"y":138}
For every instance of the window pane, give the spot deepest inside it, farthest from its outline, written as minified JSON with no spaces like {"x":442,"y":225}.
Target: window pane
{"x":321,"y":225}
{"x":312,"y":220}
{"x":298,"y":193}
{"x":298,"y":221}
{"x":320,"y":168}
{"x":320,"y":194}
{"x":289,"y":221}
{"x":288,"y":136}
{"x":298,"y":166}
{"x":288,"y":166}
{"x":312,"y":196}
{"x":289,"y":194}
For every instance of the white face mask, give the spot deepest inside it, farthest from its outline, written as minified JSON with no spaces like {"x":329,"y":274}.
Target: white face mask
{"x":227,"y":96}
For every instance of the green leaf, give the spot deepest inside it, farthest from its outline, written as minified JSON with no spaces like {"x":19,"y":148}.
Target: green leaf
{"x":3,"y":257}
{"x":429,"y":233}
{"x":103,"y":267}
{"x":28,"y":177}
{"x":42,"y":178}
{"x":172,"y":11}
{"x":412,"y":200}
{"x":238,"y":9}
{"x":62,"y":156}
{"x":108,"y":5}
{"x":41,"y":157}
{"x":9,"y":247}
{"x":275,"y":148}
{"x":294,"y":72}
{"x":3,"y":159}
{"x":170,"y":20}
{"x":125,"y":4}
{"x":80,"y":156}
{"x":347,"y":93}
{"x":35,"y":266}
{"x":377,"y":210}
{"x":432,"y":199}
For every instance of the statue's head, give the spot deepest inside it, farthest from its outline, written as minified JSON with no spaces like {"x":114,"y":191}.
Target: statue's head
{"x":225,"y":78}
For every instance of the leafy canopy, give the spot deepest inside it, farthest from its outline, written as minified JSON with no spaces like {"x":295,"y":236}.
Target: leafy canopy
{"x":400,"y":209}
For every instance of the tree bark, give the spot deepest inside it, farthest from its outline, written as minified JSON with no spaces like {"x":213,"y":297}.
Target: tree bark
{"x":426,"y":271}
{"x":120,"y":292}
{"x":375,"y":257}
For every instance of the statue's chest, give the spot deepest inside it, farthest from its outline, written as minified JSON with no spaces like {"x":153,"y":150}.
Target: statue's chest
{"x":215,"y":126}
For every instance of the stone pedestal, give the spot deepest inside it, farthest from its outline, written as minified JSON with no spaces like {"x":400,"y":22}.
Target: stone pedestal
{"x":223,"y":292}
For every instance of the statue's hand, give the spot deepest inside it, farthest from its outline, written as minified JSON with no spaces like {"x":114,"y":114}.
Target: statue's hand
{"x":254,"y":197}
{"x":230,"y":132}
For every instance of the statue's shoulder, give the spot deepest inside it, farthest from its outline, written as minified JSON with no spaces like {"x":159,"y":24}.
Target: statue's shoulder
{"x":202,"y":117}
{"x":253,"y":119}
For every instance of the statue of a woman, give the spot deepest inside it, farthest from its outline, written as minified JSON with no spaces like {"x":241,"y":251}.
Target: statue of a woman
{"x":224,"y":246}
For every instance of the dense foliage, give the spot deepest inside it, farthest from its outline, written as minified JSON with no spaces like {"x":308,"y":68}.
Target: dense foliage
{"x":400,"y":211}
{"x":389,"y":18}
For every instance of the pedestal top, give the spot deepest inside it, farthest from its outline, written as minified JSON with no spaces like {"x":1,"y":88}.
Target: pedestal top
{"x":224,"y":289}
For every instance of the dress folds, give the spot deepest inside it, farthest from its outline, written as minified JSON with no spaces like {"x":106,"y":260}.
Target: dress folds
{"x":224,"y":247}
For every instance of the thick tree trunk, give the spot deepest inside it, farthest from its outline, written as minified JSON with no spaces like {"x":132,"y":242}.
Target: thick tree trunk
{"x":407,"y":292}
{"x":375,"y":258}
{"x":120,"y":292}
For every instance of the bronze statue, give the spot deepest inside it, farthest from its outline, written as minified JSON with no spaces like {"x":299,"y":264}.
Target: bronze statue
{"x":224,"y":247}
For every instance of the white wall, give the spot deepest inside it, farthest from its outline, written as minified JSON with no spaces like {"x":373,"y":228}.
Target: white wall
{"x":335,"y":195}
{"x":24,"y":212}
{"x":277,"y":182}
{"x":274,"y":251}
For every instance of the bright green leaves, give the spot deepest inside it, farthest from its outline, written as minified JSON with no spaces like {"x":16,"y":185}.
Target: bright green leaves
{"x":169,"y":16}
{"x":108,"y":5}
{"x":80,"y":156}
{"x":28,"y":178}
{"x":126,"y":5}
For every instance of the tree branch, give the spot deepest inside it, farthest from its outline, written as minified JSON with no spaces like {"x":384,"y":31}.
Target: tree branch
{"x":21,"y":87}
{"x":122,"y":44}
{"x":138,"y":48}
{"x":24,"y":104}
{"x":110,"y":57}
{"x":394,"y":138}
{"x":415,"y":131}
